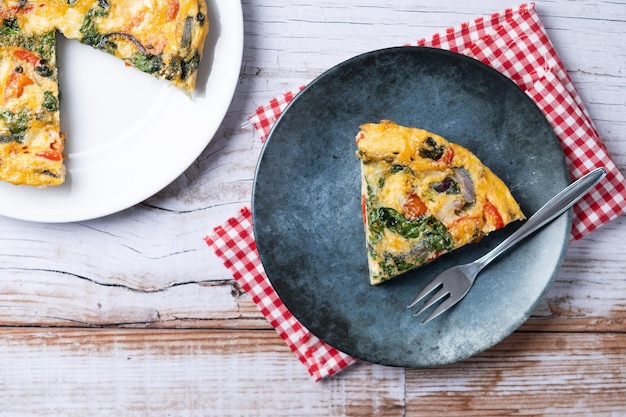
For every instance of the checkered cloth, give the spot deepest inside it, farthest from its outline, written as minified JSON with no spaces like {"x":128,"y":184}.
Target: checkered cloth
{"x":513,"y":42}
{"x":234,"y":244}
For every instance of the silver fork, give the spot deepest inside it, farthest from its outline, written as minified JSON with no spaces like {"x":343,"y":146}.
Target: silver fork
{"x":454,"y":283}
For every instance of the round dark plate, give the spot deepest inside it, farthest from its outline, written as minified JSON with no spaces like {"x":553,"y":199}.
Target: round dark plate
{"x":307,"y":217}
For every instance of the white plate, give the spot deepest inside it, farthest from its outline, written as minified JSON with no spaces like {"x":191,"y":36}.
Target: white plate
{"x":128,"y":134}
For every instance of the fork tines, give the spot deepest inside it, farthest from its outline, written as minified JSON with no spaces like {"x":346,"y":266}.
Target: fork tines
{"x":441,"y":294}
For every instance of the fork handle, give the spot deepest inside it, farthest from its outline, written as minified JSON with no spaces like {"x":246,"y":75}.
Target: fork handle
{"x":548,"y":212}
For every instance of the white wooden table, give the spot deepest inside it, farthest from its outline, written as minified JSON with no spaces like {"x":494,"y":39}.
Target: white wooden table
{"x":133,"y":315}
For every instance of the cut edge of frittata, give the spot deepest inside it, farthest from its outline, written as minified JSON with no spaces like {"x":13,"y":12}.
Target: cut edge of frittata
{"x":31,"y":142}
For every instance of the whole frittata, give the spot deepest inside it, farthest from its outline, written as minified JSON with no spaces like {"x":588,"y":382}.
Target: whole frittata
{"x":164,"y":38}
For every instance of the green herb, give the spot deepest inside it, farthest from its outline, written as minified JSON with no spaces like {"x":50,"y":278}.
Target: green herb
{"x":147,"y":63}
{"x":394,"y":169}
{"x":428,"y":195}
{"x":431,"y":150}
{"x":9,"y":27}
{"x":179,"y":67}
{"x":173,"y":69}
{"x":89,"y":29}
{"x":428,"y":228}
{"x":191,"y":65}
{"x":436,"y":235}
{"x":12,"y":138}
{"x":44,"y":45}
{"x":396,"y":222}
{"x":71,"y":2}
{"x":50,"y":102}
{"x":17,"y":123}
{"x":392,"y":264}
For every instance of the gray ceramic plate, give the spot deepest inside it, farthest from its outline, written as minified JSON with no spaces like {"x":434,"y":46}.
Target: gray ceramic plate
{"x":307,"y":216}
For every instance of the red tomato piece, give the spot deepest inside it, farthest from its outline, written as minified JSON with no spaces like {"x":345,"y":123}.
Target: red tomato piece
{"x":173,"y":7}
{"x":15,"y":84}
{"x":27,"y":56}
{"x":364,"y":209}
{"x":51,"y":155}
{"x":414,"y":207}
{"x":492,"y":215}
{"x":448,"y":156}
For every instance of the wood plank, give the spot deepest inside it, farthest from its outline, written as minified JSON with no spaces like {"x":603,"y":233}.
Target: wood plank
{"x":547,"y":374}
{"x":52,"y":300}
{"x":589,"y":294}
{"x":589,"y":290}
{"x":73,"y":372}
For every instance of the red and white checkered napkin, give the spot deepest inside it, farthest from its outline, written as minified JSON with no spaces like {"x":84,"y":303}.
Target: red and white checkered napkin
{"x":513,"y":42}
{"x":234,"y":244}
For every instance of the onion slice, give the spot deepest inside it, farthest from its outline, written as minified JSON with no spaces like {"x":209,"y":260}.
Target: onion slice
{"x":467,"y":185}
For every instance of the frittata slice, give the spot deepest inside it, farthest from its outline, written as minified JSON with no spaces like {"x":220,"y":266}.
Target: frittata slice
{"x":424,"y":196}
{"x":31,"y":143}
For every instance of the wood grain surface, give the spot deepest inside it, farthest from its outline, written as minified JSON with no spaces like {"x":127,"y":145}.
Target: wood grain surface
{"x":133,"y":315}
